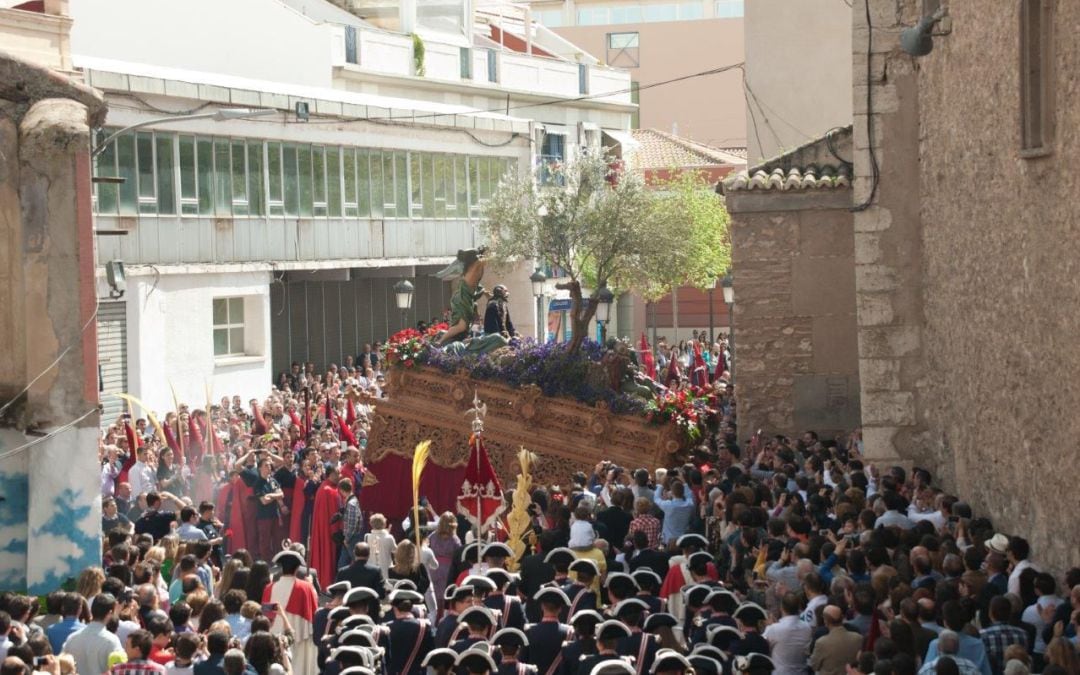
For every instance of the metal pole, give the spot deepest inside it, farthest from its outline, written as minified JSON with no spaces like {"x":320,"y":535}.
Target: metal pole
{"x":541,"y":332}
{"x":603,"y":332}
{"x":479,"y":504}
{"x":712,"y":341}
{"x":731,"y":339}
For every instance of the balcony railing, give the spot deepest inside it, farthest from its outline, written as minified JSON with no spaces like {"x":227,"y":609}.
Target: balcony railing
{"x":381,"y":53}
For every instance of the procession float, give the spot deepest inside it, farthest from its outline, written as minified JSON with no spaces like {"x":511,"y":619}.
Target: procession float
{"x":571,"y":409}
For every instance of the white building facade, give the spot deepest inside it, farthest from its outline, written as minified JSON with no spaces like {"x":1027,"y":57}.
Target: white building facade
{"x":253,"y":242}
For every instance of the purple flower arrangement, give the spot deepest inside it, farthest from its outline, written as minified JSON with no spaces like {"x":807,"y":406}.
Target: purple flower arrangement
{"x":547,"y":365}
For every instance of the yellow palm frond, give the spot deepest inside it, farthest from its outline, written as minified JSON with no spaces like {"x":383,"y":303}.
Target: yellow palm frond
{"x":420,"y":460}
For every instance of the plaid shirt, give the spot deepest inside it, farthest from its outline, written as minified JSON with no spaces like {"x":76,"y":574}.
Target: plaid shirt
{"x":997,"y":639}
{"x":138,"y":667}
{"x":352,"y":520}
{"x":648,"y":524}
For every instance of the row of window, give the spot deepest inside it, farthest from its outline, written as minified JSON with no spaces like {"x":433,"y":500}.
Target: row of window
{"x":169,"y":174}
{"x":641,"y":13}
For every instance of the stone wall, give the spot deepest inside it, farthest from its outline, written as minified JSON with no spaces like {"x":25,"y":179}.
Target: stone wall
{"x":1000,"y":247}
{"x":966,"y":292}
{"x":794,"y":280}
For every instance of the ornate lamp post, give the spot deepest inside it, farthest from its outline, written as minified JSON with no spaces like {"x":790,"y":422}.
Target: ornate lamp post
{"x":604,"y":298}
{"x":403,"y":297}
{"x":538,"y":278}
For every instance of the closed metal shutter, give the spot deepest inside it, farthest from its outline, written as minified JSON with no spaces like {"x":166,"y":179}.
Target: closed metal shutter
{"x":279,"y":328}
{"x":112,"y":358}
{"x":332,"y":322}
{"x":297,"y":321}
{"x":349,"y":340}
{"x":316,"y":347}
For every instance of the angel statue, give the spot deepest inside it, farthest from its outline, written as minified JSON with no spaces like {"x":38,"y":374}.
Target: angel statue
{"x":469,"y":268}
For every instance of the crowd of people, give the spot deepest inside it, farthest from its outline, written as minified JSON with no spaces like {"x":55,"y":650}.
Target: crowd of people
{"x":235,"y":543}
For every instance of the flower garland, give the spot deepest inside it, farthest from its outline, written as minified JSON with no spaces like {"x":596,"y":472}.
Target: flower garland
{"x":409,"y":346}
{"x":688,"y":410}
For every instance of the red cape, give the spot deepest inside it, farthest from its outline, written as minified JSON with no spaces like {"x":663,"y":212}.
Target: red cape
{"x":302,"y":600}
{"x":296,"y":511}
{"x":323,"y":552}
{"x":133,"y":449}
{"x":674,"y":581}
{"x":240,"y":521}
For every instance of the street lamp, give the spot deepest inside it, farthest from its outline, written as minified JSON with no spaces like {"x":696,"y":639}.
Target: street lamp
{"x":712,"y":321}
{"x":403,"y":295}
{"x":538,"y":278}
{"x":729,"y":300}
{"x":604,"y":298}
{"x":221,"y":115}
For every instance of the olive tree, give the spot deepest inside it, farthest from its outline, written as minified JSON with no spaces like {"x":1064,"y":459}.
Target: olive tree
{"x":605,"y":227}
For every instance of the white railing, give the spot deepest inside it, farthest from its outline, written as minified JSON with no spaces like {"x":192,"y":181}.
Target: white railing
{"x":392,"y":54}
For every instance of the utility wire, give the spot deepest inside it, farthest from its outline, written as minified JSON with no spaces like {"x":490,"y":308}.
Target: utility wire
{"x":875,"y":170}
{"x":53,"y":364}
{"x":538,"y":104}
{"x":41,"y":439}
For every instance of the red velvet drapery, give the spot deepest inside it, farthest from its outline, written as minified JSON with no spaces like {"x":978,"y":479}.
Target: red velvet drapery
{"x":392,"y":496}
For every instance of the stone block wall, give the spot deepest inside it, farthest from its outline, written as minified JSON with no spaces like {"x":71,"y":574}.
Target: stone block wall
{"x":796,"y":361}
{"x":888,"y":246}
{"x":966,"y":291}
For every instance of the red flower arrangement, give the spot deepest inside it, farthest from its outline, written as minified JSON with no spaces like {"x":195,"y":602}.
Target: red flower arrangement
{"x":409,"y":346}
{"x":686,"y":410}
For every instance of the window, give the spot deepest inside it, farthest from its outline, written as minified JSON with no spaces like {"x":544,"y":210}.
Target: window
{"x":552,"y":152}
{"x":552,"y":18}
{"x":1036,"y":78}
{"x":228,"y":326}
{"x":171,"y":174}
{"x":351,"y":52}
{"x":635,"y":98}
{"x":661,"y":12}
{"x":688,"y":11}
{"x":652,"y":12}
{"x":728,"y":9}
{"x":593,"y":16}
{"x":466,"y":63}
{"x":583,"y":78}
{"x":623,"y":50}
{"x":492,"y":66}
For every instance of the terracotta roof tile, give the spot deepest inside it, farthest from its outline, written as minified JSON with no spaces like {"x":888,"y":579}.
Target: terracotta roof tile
{"x":660,"y":150}
{"x":807,"y":178}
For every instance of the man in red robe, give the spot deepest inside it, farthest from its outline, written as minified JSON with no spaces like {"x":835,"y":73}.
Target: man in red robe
{"x":328,"y":503}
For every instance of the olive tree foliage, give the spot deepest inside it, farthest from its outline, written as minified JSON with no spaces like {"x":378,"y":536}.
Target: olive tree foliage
{"x":603,"y":227}
{"x":688,"y":224}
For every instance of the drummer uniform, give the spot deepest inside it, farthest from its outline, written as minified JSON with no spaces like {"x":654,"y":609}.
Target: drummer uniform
{"x":546,"y":639}
{"x":410,"y":640}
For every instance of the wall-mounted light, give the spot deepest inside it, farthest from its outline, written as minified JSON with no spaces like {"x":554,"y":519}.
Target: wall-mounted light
{"x":114,"y":274}
{"x":918,"y":40}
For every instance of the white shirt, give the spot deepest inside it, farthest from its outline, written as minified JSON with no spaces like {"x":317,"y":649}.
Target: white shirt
{"x":809,"y":615}
{"x":1014,"y":578}
{"x":1033,"y":616}
{"x":936,"y":517}
{"x":789,"y":639}
{"x":91,"y":646}
{"x":173,"y":669}
{"x":189,"y":532}
{"x":142,"y":479}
